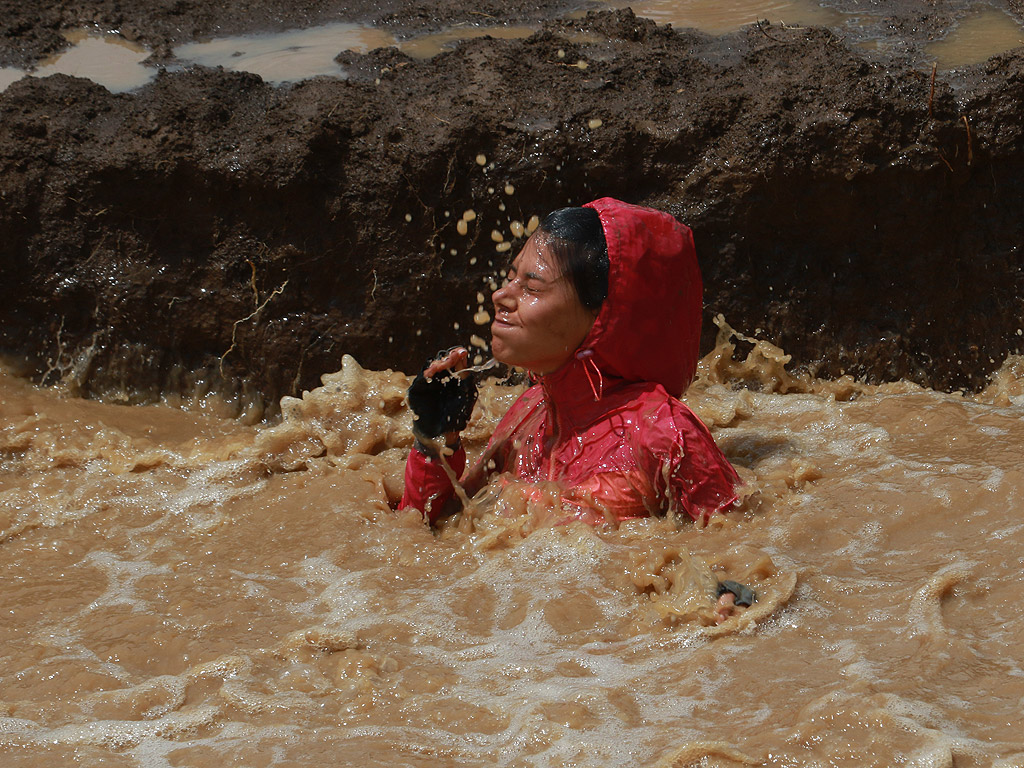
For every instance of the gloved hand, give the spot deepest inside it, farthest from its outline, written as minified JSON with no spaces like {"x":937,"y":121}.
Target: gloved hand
{"x":744,"y":594}
{"x":443,"y":402}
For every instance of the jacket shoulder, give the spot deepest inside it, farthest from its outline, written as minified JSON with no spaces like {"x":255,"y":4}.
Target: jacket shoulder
{"x":665,"y":420}
{"x":518,"y":416}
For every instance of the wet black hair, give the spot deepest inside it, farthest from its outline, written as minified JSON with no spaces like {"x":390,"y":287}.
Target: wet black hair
{"x":576,"y":241}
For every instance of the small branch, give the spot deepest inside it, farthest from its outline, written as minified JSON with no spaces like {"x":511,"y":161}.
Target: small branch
{"x":761,"y":24}
{"x":970,"y":148}
{"x":53,"y":364}
{"x":250,"y":316}
{"x":931,"y":93}
{"x":252,"y":282}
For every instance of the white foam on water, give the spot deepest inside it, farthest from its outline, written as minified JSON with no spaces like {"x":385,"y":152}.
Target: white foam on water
{"x":541,"y":641}
{"x":122,"y":576}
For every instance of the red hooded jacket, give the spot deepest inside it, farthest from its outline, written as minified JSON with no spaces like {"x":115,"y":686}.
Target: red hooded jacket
{"x":607,"y":425}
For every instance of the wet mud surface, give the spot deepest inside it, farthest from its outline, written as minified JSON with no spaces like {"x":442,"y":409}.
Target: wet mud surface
{"x":211,"y":230}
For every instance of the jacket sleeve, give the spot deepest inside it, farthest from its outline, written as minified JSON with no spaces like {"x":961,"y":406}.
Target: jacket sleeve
{"x":427,"y":486}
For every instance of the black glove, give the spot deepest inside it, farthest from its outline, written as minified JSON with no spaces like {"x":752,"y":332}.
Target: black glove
{"x":441,"y":404}
{"x":744,"y":594}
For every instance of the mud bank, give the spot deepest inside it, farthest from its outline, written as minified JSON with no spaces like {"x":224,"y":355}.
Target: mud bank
{"x":210,"y":230}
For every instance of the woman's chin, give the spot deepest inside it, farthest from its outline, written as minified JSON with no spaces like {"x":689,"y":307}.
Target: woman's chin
{"x":499,"y":350}
{"x":503,"y":358}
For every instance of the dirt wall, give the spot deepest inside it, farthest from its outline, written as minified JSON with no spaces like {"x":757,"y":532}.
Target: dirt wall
{"x":212,"y":227}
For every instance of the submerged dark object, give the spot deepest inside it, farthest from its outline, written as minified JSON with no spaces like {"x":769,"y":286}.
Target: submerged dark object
{"x":744,"y":594}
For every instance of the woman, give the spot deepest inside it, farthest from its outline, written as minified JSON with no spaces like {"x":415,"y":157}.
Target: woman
{"x":603,"y":307}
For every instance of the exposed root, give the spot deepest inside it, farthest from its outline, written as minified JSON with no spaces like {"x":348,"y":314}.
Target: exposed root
{"x":970,"y":143}
{"x":234,"y":328}
{"x":931,"y":92}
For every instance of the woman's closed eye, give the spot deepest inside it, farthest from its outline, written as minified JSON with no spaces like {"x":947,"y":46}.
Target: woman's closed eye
{"x":528,"y":282}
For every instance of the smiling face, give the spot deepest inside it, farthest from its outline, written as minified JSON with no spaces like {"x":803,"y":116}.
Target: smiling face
{"x":538,"y":319}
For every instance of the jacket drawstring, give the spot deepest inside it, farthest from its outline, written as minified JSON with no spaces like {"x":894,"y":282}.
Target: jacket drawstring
{"x":586,"y":356}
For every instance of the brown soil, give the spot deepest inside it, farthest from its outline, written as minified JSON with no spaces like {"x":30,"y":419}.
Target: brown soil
{"x":27,"y":33}
{"x":210,"y":224}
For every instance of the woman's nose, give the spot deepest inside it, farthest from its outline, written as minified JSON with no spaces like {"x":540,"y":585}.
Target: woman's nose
{"x":504,"y":297}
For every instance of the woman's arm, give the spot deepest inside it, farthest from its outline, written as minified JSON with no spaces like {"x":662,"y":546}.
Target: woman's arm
{"x":428,"y":486}
{"x":441,"y":404}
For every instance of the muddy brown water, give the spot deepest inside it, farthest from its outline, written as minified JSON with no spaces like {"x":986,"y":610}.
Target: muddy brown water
{"x":183,"y":590}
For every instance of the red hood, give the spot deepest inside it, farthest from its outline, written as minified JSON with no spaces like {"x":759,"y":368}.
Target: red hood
{"x":648,"y":328}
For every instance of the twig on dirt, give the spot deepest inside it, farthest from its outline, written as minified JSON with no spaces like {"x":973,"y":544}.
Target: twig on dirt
{"x":970,"y":148}
{"x":252,"y":282}
{"x":250,"y":316}
{"x":943,"y":158}
{"x":53,"y":364}
{"x":761,"y":24}
{"x":440,"y":119}
{"x":449,"y":182}
{"x":931,"y":93}
{"x":412,"y":188}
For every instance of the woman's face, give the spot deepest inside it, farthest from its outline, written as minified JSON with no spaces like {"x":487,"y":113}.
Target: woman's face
{"x":539,"y":321}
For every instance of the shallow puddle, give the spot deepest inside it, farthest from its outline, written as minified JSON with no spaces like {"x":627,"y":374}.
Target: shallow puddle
{"x":10,"y":75}
{"x":295,"y":55}
{"x":107,"y":59}
{"x":426,"y":46}
{"x":985,"y":33}
{"x":288,"y":56}
{"x":719,"y":18}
